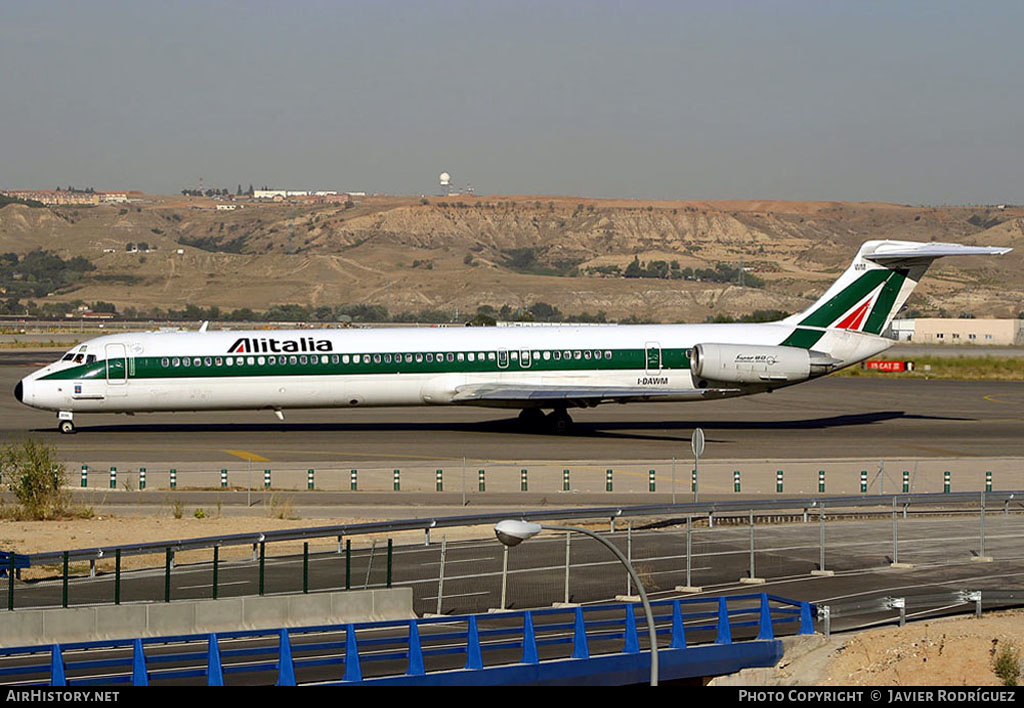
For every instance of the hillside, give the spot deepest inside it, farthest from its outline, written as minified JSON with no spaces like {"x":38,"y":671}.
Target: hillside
{"x":463,"y":252}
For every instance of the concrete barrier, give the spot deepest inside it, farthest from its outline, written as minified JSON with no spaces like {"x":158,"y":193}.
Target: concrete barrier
{"x":79,"y":624}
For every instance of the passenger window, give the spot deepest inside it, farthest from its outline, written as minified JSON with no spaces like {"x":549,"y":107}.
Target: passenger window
{"x":490,"y":356}
{"x":334,"y":358}
{"x":558,"y":355}
{"x":344,"y":358}
{"x":460,"y":356}
{"x":536,"y":356}
{"x":547,"y":355}
{"x":293,"y":360}
{"x":219,"y":361}
{"x":472,"y":356}
{"x":185,"y":361}
{"x":597,"y":354}
{"x":387,"y":358}
{"x":165,"y":362}
{"x":240,"y":360}
{"x":514,"y":356}
{"x":324,"y":359}
{"x":586,"y":354}
{"x":250,"y":361}
{"x":208,"y":361}
{"x":260,"y":360}
{"x":450,"y":356}
{"x":430,"y":357}
{"x":577,"y":354}
{"x":303,"y":359}
{"x":419,"y":358}
{"x":229,"y":361}
{"x":607,"y":353}
{"x":408,"y":358}
{"x":355,"y":358}
{"x":376,"y":358}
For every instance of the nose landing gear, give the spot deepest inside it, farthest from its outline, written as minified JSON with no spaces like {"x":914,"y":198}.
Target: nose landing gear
{"x":65,"y":422}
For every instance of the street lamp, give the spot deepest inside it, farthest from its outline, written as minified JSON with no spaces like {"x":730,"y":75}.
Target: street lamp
{"x":512,"y":532}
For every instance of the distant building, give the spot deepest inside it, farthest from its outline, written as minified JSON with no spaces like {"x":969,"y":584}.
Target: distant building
{"x":227,"y":207}
{"x":935,"y":330}
{"x":55,"y":197}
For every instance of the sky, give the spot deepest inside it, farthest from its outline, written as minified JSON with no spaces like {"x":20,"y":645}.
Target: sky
{"x":910,"y":102}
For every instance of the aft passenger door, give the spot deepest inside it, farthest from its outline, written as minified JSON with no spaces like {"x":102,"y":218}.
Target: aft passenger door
{"x":652,"y":357}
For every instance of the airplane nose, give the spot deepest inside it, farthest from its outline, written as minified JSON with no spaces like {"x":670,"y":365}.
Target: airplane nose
{"x":18,"y":391}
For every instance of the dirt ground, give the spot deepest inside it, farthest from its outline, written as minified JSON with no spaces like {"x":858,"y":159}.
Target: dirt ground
{"x":953,"y":651}
{"x":942,"y":652}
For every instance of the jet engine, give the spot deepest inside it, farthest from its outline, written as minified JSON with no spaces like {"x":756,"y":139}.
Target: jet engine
{"x":754,"y":364}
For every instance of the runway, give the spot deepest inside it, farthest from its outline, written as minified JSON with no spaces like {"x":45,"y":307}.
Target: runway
{"x":828,"y":418}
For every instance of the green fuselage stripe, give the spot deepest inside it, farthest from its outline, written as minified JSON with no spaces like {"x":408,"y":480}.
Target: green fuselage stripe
{"x":370,"y":363}
{"x":803,"y":338}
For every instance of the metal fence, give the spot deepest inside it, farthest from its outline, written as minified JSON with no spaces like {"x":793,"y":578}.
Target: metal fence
{"x":475,"y":478}
{"x":671,"y":546}
{"x":418,"y":650}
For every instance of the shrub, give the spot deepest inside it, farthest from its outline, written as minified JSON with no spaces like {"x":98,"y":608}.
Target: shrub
{"x":1006,"y":663}
{"x":36,"y":478}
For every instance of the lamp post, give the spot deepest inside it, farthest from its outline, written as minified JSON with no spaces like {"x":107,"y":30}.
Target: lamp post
{"x":511,"y":533}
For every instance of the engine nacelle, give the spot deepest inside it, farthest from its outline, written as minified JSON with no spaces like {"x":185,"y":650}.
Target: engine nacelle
{"x":755,"y":364}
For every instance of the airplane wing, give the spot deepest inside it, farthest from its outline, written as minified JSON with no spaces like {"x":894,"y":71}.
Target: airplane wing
{"x":523,"y":396}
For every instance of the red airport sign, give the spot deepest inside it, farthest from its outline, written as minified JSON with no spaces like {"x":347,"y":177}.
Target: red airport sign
{"x":888,"y":365}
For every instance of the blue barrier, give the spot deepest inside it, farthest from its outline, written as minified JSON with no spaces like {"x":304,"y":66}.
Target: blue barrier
{"x":424,"y":650}
{"x":21,"y":561}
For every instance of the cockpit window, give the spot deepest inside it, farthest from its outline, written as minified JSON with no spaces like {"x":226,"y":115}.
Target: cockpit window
{"x":68,"y":357}
{"x":79,"y":358}
{"x":90,"y":359}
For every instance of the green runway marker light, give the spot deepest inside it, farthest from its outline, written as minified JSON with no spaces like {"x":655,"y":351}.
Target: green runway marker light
{"x":439,"y":480}
{"x":353,"y":480}
{"x":863,"y":481}
{"x":223,"y":478}
{"x":565,"y":480}
{"x":988,"y":481}
{"x":85,"y":475}
{"x":945,"y":482}
{"x":608,"y":481}
{"x":778,"y":481}
{"x":174,"y":478}
{"x":821,"y":481}
{"x":693,"y":480}
{"x":397,"y":484}
{"x":266,"y":479}
{"x":522,"y":481}
{"x":736,"y":481}
{"x":113,"y":478}
{"x":650,"y":480}
{"x":142,"y":478}
{"x":906,"y":481}
{"x":309,"y":479}
{"x":481,"y":483}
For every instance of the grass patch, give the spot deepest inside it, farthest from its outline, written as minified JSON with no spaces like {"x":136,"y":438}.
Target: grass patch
{"x":965,"y":368}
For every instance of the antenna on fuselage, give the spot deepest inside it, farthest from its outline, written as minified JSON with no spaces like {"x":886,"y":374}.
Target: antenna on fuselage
{"x":203,"y":327}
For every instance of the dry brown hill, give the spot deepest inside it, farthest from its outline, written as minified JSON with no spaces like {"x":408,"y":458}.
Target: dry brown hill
{"x":462,"y":252}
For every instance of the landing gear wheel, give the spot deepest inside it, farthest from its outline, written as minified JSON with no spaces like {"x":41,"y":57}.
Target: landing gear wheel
{"x":559,"y":421}
{"x":66,"y":427}
{"x":532,"y":418}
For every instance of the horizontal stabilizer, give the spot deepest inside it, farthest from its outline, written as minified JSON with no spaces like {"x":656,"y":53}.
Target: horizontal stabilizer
{"x":903,"y":253}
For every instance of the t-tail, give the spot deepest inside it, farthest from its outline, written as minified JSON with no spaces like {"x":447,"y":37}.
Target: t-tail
{"x":866,"y":298}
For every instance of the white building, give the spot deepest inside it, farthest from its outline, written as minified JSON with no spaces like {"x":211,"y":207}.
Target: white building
{"x":936,"y":330}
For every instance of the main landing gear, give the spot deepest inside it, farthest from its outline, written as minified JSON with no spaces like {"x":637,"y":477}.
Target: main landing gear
{"x":557,"y":421}
{"x":65,"y":422}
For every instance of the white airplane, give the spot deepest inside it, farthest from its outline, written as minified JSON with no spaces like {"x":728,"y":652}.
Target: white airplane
{"x":534,"y":369}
